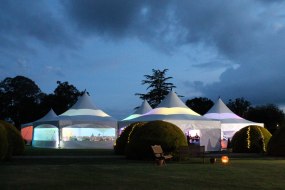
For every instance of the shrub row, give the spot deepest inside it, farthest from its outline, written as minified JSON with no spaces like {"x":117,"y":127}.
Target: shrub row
{"x":11,"y":141}
{"x":276,"y":145}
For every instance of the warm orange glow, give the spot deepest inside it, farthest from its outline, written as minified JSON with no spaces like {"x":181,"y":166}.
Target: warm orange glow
{"x":224,"y":144}
{"x":225,"y":159}
{"x":27,"y":133}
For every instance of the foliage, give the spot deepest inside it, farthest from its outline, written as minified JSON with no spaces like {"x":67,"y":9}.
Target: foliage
{"x":251,"y":139}
{"x":3,"y":142}
{"x":200,"y":105}
{"x":276,"y":145}
{"x":122,"y":140}
{"x":239,"y":106}
{"x":20,"y":98}
{"x":158,"y":85}
{"x":270,"y":115}
{"x":64,"y":96}
{"x":24,"y":102}
{"x":168,"y":135}
{"x":16,"y":144}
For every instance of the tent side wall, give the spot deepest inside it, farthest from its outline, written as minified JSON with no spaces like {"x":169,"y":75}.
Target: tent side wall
{"x":229,"y":129}
{"x":46,"y":136}
{"x":210,"y":132}
{"x":88,"y":134}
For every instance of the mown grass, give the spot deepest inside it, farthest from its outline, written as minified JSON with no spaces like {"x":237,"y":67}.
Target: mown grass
{"x":112,"y":172}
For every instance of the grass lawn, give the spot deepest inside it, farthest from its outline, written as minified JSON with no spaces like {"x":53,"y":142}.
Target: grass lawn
{"x":102,"y":170}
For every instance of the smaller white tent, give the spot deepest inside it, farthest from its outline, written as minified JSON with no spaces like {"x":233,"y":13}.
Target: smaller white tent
{"x":230,"y":122}
{"x":46,"y":131}
{"x":144,"y":108}
{"x":173,"y":110}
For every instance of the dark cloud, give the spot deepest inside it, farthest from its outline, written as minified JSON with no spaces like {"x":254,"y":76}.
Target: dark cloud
{"x":111,"y":17}
{"x":147,"y":20}
{"x":249,"y":34}
{"x":25,"y":22}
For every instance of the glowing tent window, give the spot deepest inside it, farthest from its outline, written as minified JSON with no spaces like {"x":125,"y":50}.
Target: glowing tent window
{"x":88,"y":134}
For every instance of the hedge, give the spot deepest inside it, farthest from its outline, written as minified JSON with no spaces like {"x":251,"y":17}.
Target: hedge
{"x":166,"y":134}
{"x":16,"y":144}
{"x":251,"y":139}
{"x":276,"y":145}
{"x":123,"y":139}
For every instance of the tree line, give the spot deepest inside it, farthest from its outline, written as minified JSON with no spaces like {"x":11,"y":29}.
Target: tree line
{"x":22,"y":101}
{"x":158,"y":86}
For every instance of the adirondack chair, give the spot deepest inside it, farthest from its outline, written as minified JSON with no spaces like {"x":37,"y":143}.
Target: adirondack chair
{"x":159,"y":155}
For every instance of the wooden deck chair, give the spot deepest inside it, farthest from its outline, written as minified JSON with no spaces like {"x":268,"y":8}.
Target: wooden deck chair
{"x":159,"y":155}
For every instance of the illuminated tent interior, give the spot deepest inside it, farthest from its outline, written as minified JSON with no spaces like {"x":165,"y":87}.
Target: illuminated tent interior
{"x":86,"y":126}
{"x":230,"y":122}
{"x":27,"y":132}
{"x":46,"y":132}
{"x":173,"y":110}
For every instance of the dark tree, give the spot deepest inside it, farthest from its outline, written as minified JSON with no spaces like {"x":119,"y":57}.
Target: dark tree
{"x":239,"y":106}
{"x":158,"y":87}
{"x":20,"y":98}
{"x":270,"y":115}
{"x":200,"y":105}
{"x":64,"y":96}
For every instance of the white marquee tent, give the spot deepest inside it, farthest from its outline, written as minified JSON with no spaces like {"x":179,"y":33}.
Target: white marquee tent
{"x":82,"y":126}
{"x":230,"y":122}
{"x":46,"y":131}
{"x":173,"y":110}
{"x":144,"y":108}
{"x":86,"y":126}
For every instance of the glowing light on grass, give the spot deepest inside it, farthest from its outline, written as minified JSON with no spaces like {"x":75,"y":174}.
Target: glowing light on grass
{"x":225,"y":159}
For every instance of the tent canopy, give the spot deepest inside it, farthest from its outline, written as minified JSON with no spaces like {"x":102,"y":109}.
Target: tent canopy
{"x":170,"y":108}
{"x":85,"y":110}
{"x":221,"y":112}
{"x":230,"y":122}
{"x":173,"y":110}
{"x":144,"y":108}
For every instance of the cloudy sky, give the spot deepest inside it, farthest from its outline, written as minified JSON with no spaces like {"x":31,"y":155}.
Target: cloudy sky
{"x":216,"y":48}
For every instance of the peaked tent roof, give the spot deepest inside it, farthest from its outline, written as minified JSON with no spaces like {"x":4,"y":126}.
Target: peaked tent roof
{"x":171,"y":100}
{"x":144,"y":108}
{"x":171,"y":108}
{"x":221,"y":112}
{"x":50,"y":116}
{"x":172,"y":105}
{"x":84,"y":109}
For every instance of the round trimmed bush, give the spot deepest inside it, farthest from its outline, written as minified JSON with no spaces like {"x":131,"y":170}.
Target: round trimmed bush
{"x":168,"y":135}
{"x":251,"y":139}
{"x":3,"y":142}
{"x":276,"y":145}
{"x":16,"y":144}
{"x":122,"y":140}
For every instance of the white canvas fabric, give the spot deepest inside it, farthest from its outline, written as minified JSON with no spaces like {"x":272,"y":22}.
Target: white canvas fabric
{"x":230,"y":122}
{"x":144,"y":108}
{"x":81,"y":118}
{"x":173,"y":110}
{"x":46,"y":131}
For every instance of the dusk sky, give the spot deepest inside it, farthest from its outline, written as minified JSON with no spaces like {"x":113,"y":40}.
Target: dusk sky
{"x":212,"y":48}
